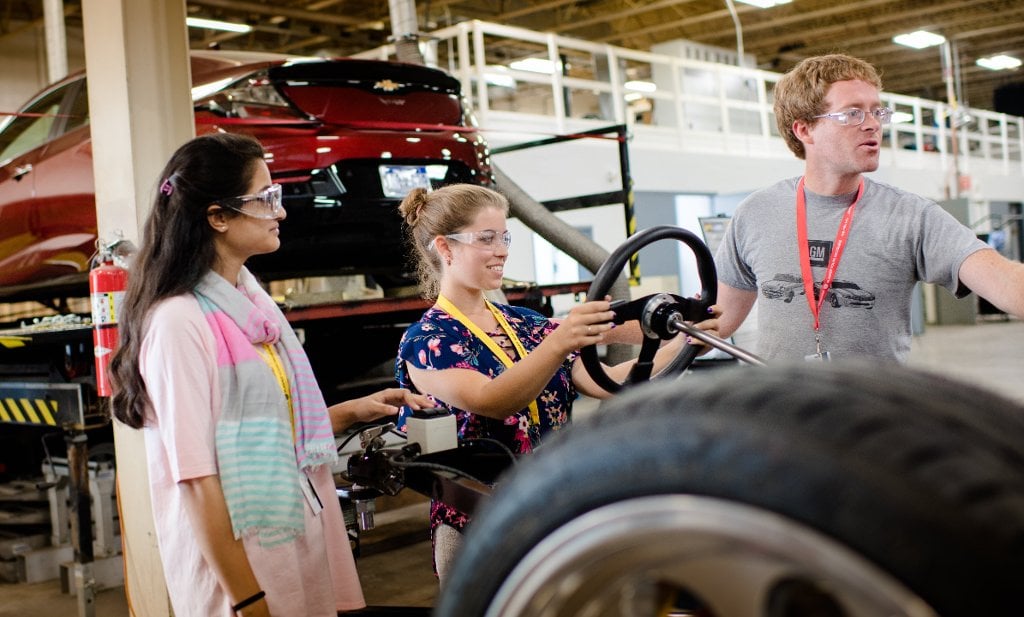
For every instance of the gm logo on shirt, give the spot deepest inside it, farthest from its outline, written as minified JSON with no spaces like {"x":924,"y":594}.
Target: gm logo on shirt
{"x":819,"y":251}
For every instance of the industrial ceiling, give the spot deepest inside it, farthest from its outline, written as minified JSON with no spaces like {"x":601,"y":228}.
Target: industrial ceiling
{"x":777,"y":37}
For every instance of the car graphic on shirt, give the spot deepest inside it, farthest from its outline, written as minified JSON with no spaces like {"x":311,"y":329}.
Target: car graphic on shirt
{"x":845,"y":293}
{"x":783,"y":286}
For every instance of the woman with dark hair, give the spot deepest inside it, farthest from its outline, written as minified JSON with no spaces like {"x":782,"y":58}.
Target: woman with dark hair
{"x":239,"y":440}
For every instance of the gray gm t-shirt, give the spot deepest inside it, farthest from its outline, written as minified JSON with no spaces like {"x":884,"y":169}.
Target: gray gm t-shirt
{"x":896,"y":239}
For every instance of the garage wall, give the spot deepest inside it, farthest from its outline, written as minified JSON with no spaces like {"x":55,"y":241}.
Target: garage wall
{"x":23,"y":69}
{"x":653,"y":209}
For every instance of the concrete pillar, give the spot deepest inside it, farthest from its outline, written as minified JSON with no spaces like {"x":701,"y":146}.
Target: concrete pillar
{"x":141,"y":110}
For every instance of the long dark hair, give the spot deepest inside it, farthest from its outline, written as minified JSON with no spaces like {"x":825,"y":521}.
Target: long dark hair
{"x":177,"y":248}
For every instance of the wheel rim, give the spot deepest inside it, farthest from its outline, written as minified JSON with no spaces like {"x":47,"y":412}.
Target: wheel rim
{"x":636,"y":558}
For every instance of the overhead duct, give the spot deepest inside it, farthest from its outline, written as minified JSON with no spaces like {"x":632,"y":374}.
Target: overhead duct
{"x":560,"y":234}
{"x":56,"y":40}
{"x":405,"y":31}
{"x":565,"y":238}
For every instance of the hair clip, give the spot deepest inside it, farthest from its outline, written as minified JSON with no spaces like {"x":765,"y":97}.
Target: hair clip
{"x":167,"y":188}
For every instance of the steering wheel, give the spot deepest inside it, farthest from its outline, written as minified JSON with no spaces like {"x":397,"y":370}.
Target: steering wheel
{"x":657,"y":312}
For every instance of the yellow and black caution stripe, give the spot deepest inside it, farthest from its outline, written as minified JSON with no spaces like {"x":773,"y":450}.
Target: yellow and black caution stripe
{"x":41,"y":404}
{"x":29,"y":411}
{"x":12,"y":342}
{"x":629,"y":209}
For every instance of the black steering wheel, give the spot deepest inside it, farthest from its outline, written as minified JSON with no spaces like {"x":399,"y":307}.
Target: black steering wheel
{"x":655,"y":312}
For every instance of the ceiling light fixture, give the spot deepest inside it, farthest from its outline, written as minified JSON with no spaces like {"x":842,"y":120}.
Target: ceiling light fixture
{"x":901,"y":117}
{"x":497,"y":75}
{"x":640,"y":86}
{"x":919,"y":39}
{"x":534,"y":65}
{"x":764,"y":4}
{"x":212,"y":24}
{"x":1000,"y":62}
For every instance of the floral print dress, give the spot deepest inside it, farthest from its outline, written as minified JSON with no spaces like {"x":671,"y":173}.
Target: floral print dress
{"x":438,"y":341}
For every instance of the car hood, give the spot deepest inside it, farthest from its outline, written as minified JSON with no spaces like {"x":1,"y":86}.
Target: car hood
{"x":358,"y":93}
{"x":368,"y":94}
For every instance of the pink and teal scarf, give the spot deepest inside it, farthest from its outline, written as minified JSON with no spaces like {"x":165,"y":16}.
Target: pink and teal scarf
{"x":260,"y":462}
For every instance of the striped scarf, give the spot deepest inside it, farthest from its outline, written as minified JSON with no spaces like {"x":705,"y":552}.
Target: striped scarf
{"x":262,"y":445}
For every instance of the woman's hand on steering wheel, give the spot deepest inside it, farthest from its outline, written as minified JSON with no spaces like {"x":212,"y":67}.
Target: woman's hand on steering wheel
{"x":585,"y":325}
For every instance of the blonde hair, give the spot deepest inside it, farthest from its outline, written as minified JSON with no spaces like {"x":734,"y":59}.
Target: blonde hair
{"x":800,"y":94}
{"x":439,"y":213}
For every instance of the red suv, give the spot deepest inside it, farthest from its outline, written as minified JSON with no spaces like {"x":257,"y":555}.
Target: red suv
{"x":345,"y":138}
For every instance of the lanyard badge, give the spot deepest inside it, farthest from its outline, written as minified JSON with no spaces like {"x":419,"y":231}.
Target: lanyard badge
{"x":446,"y":305}
{"x":816,"y":301}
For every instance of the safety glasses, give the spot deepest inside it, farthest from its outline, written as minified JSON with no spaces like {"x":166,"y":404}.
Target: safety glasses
{"x":486,"y":239}
{"x":855,"y":116}
{"x":266,"y":204}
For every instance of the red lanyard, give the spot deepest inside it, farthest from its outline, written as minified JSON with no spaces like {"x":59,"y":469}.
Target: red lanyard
{"x":805,"y":255}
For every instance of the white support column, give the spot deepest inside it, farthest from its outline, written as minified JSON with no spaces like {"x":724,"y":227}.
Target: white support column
{"x":56,"y":40}
{"x":557,"y":87}
{"x":141,"y":110}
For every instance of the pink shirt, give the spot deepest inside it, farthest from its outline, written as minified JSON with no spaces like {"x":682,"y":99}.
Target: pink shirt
{"x":315,"y":575}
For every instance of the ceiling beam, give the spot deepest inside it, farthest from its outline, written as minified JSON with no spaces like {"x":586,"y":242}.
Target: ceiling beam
{"x":630,"y":12}
{"x":69,"y":11}
{"x":894,"y":23}
{"x":530,"y":10}
{"x":313,"y":41}
{"x":775,"y":23}
{"x":268,"y":9}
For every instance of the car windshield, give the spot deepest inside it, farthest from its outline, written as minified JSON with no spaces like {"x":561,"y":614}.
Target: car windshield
{"x":23,"y":133}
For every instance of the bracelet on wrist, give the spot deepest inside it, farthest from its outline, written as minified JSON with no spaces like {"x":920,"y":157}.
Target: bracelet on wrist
{"x":253,"y":599}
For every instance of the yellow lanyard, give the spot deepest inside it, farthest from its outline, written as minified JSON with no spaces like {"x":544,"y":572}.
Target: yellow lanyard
{"x":445,"y":305}
{"x":270,"y":356}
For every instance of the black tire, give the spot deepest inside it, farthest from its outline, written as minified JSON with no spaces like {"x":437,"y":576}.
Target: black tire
{"x":883,"y":490}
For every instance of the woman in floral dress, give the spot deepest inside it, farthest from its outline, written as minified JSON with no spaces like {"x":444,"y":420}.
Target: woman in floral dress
{"x":507,"y":373}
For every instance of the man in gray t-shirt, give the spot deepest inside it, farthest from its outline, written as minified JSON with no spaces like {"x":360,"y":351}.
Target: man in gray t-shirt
{"x":832,"y":257}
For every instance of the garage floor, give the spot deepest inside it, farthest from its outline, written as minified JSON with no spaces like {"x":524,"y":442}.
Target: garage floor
{"x":395,"y":564}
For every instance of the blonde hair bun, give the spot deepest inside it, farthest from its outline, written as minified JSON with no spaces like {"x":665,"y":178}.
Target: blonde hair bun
{"x":412,"y":206}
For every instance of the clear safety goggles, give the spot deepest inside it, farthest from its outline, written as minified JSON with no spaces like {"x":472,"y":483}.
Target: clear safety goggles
{"x":486,"y":239}
{"x":267,"y":204}
{"x":855,"y":116}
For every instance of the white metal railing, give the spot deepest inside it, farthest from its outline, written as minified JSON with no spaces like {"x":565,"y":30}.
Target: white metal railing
{"x":697,"y":105}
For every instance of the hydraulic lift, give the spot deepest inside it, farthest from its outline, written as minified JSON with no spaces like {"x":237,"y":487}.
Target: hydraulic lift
{"x":83,"y":548}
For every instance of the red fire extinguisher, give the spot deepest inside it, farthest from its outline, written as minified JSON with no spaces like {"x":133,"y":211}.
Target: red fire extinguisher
{"x":107,"y":284}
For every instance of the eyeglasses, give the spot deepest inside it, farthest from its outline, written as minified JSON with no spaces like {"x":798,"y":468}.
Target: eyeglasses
{"x":486,"y":239}
{"x":855,"y":117}
{"x":267,"y":203}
